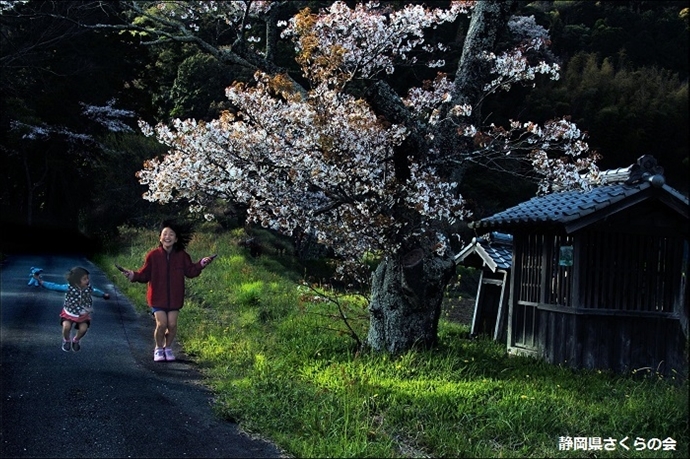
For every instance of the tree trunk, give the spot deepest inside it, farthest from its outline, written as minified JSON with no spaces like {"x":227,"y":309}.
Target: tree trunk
{"x":405,"y":304}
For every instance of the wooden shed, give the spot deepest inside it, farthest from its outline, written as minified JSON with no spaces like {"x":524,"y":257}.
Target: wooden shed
{"x":599,"y":278}
{"x":492,"y":254}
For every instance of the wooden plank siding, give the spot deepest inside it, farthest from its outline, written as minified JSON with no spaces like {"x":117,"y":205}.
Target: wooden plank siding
{"x":629,"y":272}
{"x":617,"y":308}
{"x":618,"y":344}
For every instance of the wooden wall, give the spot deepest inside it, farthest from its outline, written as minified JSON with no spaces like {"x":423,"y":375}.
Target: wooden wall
{"x":618,"y":307}
{"x":629,"y":272}
{"x":619,"y":344}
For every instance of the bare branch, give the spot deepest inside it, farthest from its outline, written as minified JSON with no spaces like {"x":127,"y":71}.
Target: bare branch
{"x":341,"y":313}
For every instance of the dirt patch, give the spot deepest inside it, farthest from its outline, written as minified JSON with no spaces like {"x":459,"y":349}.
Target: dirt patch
{"x":458,"y":308}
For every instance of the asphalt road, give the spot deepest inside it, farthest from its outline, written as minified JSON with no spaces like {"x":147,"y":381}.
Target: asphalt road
{"x":109,"y":399}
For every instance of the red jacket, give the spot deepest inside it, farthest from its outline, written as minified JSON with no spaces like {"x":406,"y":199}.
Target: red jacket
{"x":165,"y":275}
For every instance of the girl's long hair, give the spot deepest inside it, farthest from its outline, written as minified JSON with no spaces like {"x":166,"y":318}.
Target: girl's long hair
{"x":183,"y":230}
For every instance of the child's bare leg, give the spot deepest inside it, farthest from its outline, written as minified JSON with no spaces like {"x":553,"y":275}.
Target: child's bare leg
{"x":171,"y":329}
{"x":82,"y":328}
{"x":161,"y":328}
{"x":66,"y":329}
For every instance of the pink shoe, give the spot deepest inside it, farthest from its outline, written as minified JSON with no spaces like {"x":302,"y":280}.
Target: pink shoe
{"x":169,"y":356}
{"x":158,"y":355}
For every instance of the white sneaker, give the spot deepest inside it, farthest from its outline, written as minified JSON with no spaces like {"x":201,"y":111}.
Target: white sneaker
{"x":158,"y":355}
{"x":169,"y":356}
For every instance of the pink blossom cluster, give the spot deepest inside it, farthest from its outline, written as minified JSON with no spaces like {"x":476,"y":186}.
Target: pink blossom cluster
{"x":367,"y":40}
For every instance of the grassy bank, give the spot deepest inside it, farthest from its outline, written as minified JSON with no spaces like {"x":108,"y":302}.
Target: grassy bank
{"x":284,"y":368}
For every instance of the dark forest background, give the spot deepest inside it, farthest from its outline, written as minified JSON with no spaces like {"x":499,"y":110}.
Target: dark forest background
{"x":70,"y":170}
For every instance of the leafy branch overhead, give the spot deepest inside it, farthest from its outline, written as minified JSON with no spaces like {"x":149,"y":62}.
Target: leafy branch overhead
{"x":326,"y":158}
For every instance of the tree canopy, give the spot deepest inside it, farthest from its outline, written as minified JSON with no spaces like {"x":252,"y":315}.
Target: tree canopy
{"x":361,"y":169}
{"x":47,"y":73}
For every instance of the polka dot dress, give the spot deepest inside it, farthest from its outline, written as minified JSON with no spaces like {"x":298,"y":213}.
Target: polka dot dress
{"x":76,"y":300}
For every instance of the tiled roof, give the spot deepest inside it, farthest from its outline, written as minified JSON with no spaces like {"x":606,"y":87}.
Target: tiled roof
{"x":566,"y":207}
{"x":495,"y":250}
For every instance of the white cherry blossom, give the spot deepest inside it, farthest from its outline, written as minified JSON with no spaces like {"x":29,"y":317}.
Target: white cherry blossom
{"x":321,"y":161}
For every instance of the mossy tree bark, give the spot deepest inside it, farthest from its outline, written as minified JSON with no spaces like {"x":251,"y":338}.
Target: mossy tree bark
{"x":405,"y":305}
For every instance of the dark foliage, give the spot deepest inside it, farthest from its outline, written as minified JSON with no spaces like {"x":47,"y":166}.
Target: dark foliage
{"x":624,"y":81}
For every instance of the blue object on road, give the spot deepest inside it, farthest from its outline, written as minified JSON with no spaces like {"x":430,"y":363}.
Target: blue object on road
{"x":32,"y":279}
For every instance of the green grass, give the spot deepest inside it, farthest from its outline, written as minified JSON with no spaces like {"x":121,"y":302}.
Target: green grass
{"x":284,"y":368}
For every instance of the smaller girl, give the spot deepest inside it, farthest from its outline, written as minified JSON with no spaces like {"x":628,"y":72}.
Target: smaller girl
{"x":76,"y":309}
{"x":36,"y":279}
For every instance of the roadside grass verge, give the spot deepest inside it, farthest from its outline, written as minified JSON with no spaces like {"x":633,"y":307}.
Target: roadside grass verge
{"x":283,"y":367}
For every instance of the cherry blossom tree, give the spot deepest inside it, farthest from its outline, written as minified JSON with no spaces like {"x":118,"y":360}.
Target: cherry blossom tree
{"x":344,"y":157}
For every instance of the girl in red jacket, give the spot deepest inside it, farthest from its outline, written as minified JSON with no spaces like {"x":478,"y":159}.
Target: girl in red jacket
{"x":165,"y":269}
